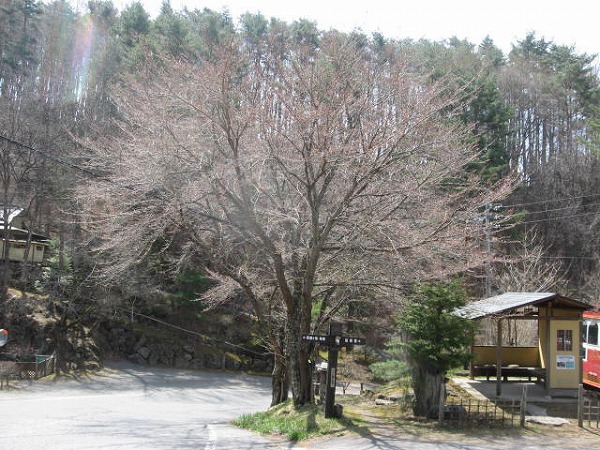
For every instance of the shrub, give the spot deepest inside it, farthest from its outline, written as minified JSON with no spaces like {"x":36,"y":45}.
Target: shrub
{"x":389,"y":370}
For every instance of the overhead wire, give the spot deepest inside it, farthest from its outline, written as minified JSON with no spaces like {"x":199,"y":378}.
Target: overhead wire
{"x":515,"y":205}
{"x":49,"y":156}
{"x":71,"y":165}
{"x":195,"y":333}
{"x":519,"y":205}
{"x":552,"y":219}
{"x":96,"y":175}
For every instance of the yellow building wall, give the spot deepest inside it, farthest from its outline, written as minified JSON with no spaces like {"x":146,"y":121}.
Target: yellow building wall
{"x":565,"y":365}
{"x":543,"y":339}
{"x":522,"y":356}
{"x":16,"y":251}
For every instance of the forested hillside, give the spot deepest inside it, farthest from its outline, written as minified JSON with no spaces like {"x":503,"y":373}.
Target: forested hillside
{"x":188,"y":163}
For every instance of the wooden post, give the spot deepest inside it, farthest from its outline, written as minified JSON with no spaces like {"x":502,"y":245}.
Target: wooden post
{"x":549,"y":343}
{"x":333,"y":341}
{"x":332,"y":360}
{"x":580,"y":406}
{"x":523,"y":405}
{"x":499,"y":358}
{"x":442,"y":404}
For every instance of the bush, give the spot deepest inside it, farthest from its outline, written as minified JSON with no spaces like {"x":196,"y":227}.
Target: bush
{"x":389,"y":370}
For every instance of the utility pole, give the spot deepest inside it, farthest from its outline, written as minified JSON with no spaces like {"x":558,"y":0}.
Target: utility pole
{"x":487,"y":223}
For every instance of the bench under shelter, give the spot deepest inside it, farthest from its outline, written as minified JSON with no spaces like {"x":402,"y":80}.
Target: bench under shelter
{"x":531,"y":335}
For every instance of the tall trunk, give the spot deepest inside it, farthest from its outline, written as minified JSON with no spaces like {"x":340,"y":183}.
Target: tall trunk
{"x":25,"y":261}
{"x":5,"y":274}
{"x":297,"y":356}
{"x":280,"y":380}
{"x":61,"y":344}
{"x":427,"y":385}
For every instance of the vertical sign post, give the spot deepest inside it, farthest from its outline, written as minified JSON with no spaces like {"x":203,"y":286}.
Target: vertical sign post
{"x":333,"y":341}
{"x":335,"y":329}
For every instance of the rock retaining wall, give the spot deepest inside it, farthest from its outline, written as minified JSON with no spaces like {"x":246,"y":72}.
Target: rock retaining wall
{"x":149,"y":345}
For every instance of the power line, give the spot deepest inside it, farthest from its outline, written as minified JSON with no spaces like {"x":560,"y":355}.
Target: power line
{"x":564,"y":208}
{"x":551,"y":219}
{"x":195,"y":333}
{"x":95,"y":175}
{"x":540,"y":202}
{"x":50,"y":157}
{"x":570,"y":257}
{"x":73,"y":166}
{"x":90,"y":173}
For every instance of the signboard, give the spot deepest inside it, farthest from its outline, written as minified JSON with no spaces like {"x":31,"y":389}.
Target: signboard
{"x":315,"y":338}
{"x":565,"y":362}
{"x":340,"y":341}
{"x":352,"y":341}
{"x":333,"y":341}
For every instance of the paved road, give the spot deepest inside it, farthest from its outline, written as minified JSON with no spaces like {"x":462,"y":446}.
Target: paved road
{"x":132,"y":407}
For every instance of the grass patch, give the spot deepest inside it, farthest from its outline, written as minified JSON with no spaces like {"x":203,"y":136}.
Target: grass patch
{"x":294,"y":423}
{"x":363,"y":417}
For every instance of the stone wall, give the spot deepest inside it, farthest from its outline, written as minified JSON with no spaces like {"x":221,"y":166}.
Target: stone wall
{"x":215,"y":342}
{"x":150,"y":344}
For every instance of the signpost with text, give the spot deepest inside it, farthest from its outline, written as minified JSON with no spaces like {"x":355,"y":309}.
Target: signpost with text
{"x":333,"y":342}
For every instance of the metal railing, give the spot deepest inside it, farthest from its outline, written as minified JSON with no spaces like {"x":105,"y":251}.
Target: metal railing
{"x":588,"y":408}
{"x":464,"y":412}
{"x":26,"y":370}
{"x":458,"y":410}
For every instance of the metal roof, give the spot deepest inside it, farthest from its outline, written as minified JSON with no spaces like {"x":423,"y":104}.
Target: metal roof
{"x":11,"y":211}
{"x":16,"y":233}
{"x":512,"y":300}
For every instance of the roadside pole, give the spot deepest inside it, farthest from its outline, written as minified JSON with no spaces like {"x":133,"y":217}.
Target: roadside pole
{"x":333,"y":342}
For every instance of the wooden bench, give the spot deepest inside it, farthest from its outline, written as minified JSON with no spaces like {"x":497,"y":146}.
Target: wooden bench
{"x":512,"y":370}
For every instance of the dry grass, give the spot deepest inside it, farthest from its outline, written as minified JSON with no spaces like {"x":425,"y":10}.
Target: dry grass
{"x":391,"y":420}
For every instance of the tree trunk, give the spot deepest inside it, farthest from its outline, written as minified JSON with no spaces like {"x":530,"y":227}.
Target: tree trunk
{"x":61,"y":345}
{"x":25,"y":261}
{"x":5,"y":273}
{"x":280,"y":380}
{"x":427,"y":385}
{"x":297,"y":356}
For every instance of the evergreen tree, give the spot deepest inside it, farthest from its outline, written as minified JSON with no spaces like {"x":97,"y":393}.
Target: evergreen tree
{"x":436,"y":340}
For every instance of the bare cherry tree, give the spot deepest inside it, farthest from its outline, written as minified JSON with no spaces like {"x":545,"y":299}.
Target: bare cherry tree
{"x":289,"y":176}
{"x":528,"y":269}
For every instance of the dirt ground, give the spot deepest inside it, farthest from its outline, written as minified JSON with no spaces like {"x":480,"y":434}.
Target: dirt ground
{"x":391,"y":420}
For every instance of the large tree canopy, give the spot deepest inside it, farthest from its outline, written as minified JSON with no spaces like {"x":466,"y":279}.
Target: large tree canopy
{"x":290,"y":174}
{"x":303,"y":171}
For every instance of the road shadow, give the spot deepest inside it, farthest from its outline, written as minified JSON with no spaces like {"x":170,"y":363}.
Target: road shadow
{"x":125,"y":376}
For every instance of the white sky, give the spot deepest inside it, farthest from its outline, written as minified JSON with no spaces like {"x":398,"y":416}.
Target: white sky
{"x":568,"y":22}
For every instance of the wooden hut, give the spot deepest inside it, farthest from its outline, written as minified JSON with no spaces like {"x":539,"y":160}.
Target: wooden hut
{"x":554,"y":361}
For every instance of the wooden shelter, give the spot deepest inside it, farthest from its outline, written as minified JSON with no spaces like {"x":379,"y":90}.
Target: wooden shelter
{"x":555,"y":361}
{"x":18,"y":243}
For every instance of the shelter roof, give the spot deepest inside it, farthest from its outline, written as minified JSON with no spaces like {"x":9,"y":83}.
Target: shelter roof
{"x":506,"y":303}
{"x":21,"y":234}
{"x":11,"y":213}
